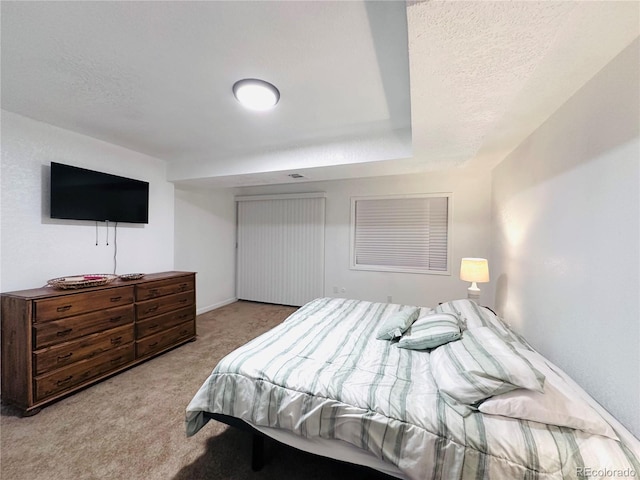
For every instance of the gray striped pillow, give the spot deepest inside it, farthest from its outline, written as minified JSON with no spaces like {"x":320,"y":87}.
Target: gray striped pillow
{"x":431,"y":331}
{"x":395,"y":325}
{"x":481,"y":365}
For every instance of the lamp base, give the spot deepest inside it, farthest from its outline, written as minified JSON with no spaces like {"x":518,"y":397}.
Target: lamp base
{"x":473,"y":292}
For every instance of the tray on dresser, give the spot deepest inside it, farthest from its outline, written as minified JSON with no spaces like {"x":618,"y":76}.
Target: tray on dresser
{"x":81,"y":281}
{"x":131,"y":276}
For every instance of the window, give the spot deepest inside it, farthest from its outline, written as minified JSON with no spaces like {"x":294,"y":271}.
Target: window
{"x":401,"y":233}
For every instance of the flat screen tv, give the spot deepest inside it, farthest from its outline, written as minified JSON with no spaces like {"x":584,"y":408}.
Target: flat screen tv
{"x":81,"y":194}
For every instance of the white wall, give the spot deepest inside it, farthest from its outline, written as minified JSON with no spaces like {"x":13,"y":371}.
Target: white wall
{"x":470,"y":230}
{"x":205,"y":238}
{"x":566,"y":221}
{"x":34,"y":247}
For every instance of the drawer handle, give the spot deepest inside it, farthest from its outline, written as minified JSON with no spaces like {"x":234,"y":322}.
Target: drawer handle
{"x":151,"y":345}
{"x":151,"y":309}
{"x":153,"y":292}
{"x":184,"y":332}
{"x":155,"y":325}
{"x":184,"y":300}
{"x":184,"y":286}
{"x":183,"y":316}
{"x":64,"y":357}
{"x":115,"y":319}
{"x":63,"y":381}
{"x":116,"y":341}
{"x":116,"y":360}
{"x":115,"y":299}
{"x":64,"y":308}
{"x":62,"y":333}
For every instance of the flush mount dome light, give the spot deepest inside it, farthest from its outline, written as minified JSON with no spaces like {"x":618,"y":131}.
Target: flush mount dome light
{"x":256,"y":94}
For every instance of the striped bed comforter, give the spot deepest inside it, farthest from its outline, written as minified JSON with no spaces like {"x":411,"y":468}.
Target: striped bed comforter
{"x":322,"y":373}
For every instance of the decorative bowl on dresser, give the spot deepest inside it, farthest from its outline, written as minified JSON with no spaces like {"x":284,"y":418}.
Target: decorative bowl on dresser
{"x":55,"y":342}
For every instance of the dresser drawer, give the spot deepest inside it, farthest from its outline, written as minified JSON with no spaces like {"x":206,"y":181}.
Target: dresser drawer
{"x":162,"y":322}
{"x":58,"y":331}
{"x":165,"y":304}
{"x":86,"y":347}
{"x":64,"y":378}
{"x":68,"y":305}
{"x":164,"y":339}
{"x":161,"y":288}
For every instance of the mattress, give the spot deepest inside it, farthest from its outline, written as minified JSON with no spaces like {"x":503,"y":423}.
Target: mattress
{"x":323,"y":376}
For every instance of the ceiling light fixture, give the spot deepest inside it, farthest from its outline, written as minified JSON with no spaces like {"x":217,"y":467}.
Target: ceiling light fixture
{"x":256,"y":94}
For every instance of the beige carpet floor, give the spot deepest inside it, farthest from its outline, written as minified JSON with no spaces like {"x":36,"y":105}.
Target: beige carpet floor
{"x":131,"y":426}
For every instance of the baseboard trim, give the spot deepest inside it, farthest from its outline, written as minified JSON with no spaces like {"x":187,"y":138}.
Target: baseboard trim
{"x":208,"y":308}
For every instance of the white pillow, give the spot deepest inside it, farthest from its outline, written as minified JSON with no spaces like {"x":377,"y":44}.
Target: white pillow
{"x":481,"y":365}
{"x":395,"y":324}
{"x":431,"y":331}
{"x":558,"y":405}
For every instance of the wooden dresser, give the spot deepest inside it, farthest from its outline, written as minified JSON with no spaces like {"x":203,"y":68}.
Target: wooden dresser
{"x":55,"y":342}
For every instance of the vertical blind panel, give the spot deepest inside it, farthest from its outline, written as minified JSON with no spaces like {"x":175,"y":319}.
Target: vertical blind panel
{"x":281,"y":250}
{"x":410,"y":233}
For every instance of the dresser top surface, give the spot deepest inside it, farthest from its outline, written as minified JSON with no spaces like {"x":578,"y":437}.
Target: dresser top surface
{"x":47,"y":292}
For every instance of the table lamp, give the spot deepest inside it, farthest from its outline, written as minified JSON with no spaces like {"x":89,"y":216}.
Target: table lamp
{"x":474,"y":270}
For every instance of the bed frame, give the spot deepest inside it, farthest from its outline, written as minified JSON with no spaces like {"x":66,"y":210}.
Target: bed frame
{"x":257,"y":445}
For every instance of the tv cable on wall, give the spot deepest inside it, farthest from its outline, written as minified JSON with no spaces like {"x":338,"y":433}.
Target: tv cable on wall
{"x":115,"y":242}
{"x":115,"y":245}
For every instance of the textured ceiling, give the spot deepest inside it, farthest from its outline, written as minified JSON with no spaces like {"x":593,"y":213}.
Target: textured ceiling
{"x":485,"y":75}
{"x":367,"y":88}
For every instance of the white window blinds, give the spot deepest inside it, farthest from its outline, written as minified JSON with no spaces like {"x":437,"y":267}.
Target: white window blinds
{"x":403,"y":234}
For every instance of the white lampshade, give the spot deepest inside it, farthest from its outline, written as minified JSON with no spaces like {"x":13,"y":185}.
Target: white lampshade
{"x":474,"y":270}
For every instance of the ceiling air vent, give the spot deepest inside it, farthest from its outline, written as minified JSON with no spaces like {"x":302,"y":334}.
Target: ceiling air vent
{"x":296,"y":175}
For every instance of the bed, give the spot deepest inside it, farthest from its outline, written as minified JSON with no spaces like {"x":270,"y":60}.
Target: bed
{"x":322,"y":381}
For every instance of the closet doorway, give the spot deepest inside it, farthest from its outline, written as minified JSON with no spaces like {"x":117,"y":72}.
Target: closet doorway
{"x":280,"y":248}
